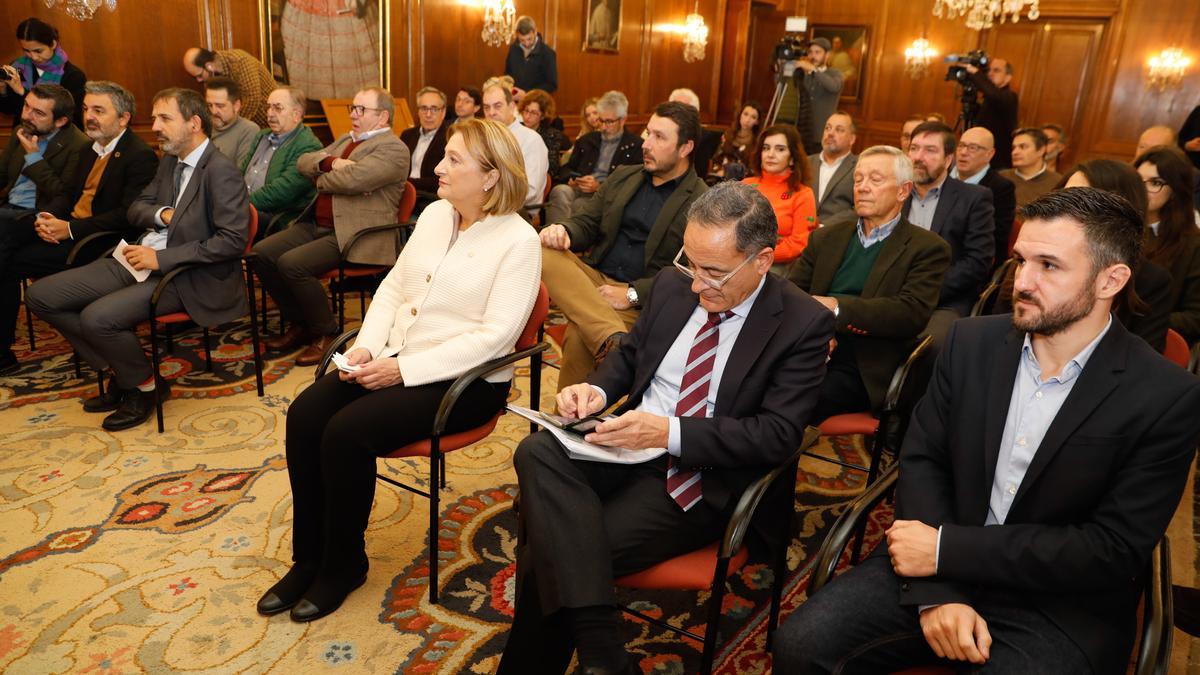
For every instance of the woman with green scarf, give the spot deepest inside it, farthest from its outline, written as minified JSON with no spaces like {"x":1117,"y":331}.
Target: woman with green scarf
{"x":43,"y":62}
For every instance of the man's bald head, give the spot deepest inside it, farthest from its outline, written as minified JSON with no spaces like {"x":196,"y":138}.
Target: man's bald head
{"x":976,"y":148}
{"x":1154,"y":136}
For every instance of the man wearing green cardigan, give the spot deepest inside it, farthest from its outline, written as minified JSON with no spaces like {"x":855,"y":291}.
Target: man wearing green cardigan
{"x":277,"y":189}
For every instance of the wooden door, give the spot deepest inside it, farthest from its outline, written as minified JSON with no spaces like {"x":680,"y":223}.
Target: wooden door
{"x":1054,"y":61}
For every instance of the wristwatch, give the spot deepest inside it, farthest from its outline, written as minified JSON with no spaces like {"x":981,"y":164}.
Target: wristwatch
{"x":632,"y":296}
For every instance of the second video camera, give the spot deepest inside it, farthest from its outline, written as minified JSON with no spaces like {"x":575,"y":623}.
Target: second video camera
{"x":790,"y":48}
{"x":958,"y":70}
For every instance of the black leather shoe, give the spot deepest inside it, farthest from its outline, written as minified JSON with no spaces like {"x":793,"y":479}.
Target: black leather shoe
{"x":136,"y":407}
{"x":109,"y":401}
{"x":287,"y":591}
{"x":322,"y":600}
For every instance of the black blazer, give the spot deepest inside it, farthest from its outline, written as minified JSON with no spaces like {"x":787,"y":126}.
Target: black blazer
{"x":1184,"y":293}
{"x":587,"y":153}
{"x":130,"y":168}
{"x":53,"y":173}
{"x":768,"y":389}
{"x":899,"y":296}
{"x":428,"y":182}
{"x":997,"y":114}
{"x":1094,"y":502}
{"x":1004,"y":203}
{"x":964,"y":217}
{"x":211,"y":226}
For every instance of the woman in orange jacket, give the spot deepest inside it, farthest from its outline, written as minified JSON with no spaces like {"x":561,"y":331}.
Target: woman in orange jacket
{"x":781,"y":172}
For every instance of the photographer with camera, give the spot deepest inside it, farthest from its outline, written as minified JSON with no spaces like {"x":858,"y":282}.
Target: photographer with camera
{"x":822,"y":84}
{"x":998,"y":113}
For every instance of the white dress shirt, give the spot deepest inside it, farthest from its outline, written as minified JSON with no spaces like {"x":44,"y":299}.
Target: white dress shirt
{"x":537,"y":160}
{"x":826,"y":173}
{"x":424,"y":140}
{"x":157,"y":239}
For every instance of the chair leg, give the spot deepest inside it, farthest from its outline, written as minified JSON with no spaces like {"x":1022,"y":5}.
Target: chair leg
{"x":434,"y":463}
{"x":877,"y":443}
{"x":341,"y":301}
{"x":78,"y":367}
{"x":442,"y":471}
{"x":158,"y":404}
{"x":362,"y":305}
{"x":28,"y":317}
{"x":714,"y":617}
{"x":780,"y":571}
{"x":207,"y":352}
{"x":258,"y":363}
{"x":535,"y":386}
{"x":263,"y":294}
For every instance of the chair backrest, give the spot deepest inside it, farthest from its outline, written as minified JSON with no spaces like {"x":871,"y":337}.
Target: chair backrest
{"x":537,"y":317}
{"x":253,"y":228}
{"x":907,"y":387}
{"x":1176,"y":349}
{"x":987,"y":298}
{"x":407,"y":202}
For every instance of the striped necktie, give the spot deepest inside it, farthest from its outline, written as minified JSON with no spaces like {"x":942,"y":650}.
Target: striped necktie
{"x":682,"y":484}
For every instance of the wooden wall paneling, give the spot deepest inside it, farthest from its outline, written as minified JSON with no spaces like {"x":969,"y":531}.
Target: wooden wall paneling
{"x":734,"y":61}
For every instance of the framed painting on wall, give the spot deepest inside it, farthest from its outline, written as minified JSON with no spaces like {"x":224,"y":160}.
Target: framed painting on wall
{"x":848,"y":55}
{"x":328,"y":48}
{"x":602,"y":27}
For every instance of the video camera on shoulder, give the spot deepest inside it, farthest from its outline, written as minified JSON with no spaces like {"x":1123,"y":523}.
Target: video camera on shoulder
{"x":790,"y":48}
{"x":958,"y":71}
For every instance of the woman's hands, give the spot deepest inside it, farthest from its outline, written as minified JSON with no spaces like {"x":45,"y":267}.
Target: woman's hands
{"x":375,"y":373}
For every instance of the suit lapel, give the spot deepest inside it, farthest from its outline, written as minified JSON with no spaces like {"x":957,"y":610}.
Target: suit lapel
{"x":1095,"y":383}
{"x":667,"y":325}
{"x":113,"y":161}
{"x":193,"y":185}
{"x":827,"y":265}
{"x":893,"y":248}
{"x":1003,"y":375}
{"x":945,"y":203}
{"x":761,"y":324}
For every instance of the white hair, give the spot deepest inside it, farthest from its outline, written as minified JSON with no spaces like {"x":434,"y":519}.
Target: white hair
{"x":902,"y":166}
{"x":685,"y":95}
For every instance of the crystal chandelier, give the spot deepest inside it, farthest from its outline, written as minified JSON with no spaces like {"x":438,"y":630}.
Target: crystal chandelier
{"x":981,"y":14}
{"x":695,"y":36}
{"x":82,"y":10}
{"x":499,"y":22}
{"x":918,"y":57}
{"x":1167,"y":69}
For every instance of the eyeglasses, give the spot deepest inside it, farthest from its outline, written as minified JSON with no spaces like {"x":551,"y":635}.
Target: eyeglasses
{"x":973,"y":147}
{"x":360,"y":110}
{"x":712,"y":283}
{"x":429,"y":109}
{"x":606,"y":121}
{"x":1155,"y":185}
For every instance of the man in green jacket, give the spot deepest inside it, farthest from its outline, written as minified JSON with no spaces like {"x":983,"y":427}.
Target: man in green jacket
{"x":277,"y":189}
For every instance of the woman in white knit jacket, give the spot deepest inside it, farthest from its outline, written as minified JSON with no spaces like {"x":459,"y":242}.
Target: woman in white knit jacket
{"x":459,"y":295}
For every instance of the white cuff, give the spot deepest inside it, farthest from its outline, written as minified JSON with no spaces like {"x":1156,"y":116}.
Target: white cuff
{"x":673,"y":437}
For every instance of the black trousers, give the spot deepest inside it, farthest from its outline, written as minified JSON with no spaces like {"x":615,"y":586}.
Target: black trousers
{"x":583,"y":524}
{"x":856,"y":625}
{"x":842,"y":390}
{"x":335,"y":431}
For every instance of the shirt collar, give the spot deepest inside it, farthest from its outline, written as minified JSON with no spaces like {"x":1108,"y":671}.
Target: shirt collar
{"x":427,"y":134}
{"x":743,"y":308}
{"x":193,"y":157}
{"x":878,"y":234}
{"x":673,"y":183}
{"x":934,"y":192}
{"x":973,"y":180}
{"x":1075,"y":365}
{"x":103,"y":150}
{"x":368,"y":134}
{"x":836,"y":163}
{"x":275,"y":140}
{"x":1154,"y":228}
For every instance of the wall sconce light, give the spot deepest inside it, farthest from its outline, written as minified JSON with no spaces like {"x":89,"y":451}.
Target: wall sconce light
{"x":695,"y":36}
{"x":1166,"y":69}
{"x":918,"y":57}
{"x":499,"y":22}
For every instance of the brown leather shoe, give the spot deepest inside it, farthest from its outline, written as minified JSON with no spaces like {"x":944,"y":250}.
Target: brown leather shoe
{"x":293,"y":337}
{"x":315,"y":351}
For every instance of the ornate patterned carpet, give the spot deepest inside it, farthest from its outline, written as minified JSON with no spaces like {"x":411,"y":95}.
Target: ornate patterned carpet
{"x":144,"y":552}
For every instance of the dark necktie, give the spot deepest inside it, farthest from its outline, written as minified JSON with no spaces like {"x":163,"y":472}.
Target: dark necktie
{"x":682,"y":484}
{"x":179,"y":166}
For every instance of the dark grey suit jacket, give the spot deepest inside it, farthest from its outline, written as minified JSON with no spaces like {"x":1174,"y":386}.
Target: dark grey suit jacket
{"x":1093,"y":503}
{"x":210,"y":226}
{"x":1004,"y":201}
{"x":839,"y":198}
{"x":964,"y":217}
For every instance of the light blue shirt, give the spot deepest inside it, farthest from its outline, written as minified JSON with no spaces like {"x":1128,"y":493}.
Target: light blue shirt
{"x":973,"y":180}
{"x":920,"y":210}
{"x":24,"y":191}
{"x":878,"y":234}
{"x":157,"y":239}
{"x":663,"y":393}
{"x":1034,"y":404}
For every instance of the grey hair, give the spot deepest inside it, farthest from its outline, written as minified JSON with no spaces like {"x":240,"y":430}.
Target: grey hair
{"x":525,"y":25}
{"x":121,"y":99}
{"x":296,"y":94}
{"x":738,"y":204}
{"x":431,"y":90}
{"x":692,"y":99}
{"x":614,"y":102}
{"x":902,"y":165}
{"x":384,"y":101}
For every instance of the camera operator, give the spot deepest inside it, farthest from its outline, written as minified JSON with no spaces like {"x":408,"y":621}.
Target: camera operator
{"x":998,"y":113}
{"x":822,"y":84}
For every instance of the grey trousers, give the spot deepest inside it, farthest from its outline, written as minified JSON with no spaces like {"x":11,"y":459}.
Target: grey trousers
{"x":97,"y":307}
{"x":856,"y":625}
{"x":564,"y":201}
{"x":288,"y":264}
